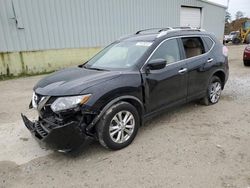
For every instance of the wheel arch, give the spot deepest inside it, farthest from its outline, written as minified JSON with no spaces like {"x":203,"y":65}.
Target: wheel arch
{"x":126,"y":98}
{"x":221,"y":74}
{"x":136,"y":103}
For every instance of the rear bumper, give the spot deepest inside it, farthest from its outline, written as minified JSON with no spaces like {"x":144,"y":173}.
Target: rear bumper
{"x":61,"y":137}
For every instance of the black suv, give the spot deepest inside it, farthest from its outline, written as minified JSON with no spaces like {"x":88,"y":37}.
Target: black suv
{"x":129,"y":81}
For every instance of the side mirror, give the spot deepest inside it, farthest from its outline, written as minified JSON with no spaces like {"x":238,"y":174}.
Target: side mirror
{"x":156,"y":64}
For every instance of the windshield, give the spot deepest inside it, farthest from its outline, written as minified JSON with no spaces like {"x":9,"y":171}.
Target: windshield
{"x":247,"y":25}
{"x":122,"y":55}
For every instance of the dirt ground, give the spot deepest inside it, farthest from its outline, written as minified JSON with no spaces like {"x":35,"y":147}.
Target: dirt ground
{"x":190,"y":146}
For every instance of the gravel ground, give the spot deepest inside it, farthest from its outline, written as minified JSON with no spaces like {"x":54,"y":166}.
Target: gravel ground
{"x":190,"y":146}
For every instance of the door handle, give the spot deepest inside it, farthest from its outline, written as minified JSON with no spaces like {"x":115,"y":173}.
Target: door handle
{"x":182,"y":71}
{"x":210,"y":60}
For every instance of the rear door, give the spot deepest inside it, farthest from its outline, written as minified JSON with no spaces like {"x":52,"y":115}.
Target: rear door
{"x":166,"y":86}
{"x":198,"y":60}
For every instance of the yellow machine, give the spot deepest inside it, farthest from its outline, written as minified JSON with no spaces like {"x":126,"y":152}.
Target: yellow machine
{"x":244,"y":34}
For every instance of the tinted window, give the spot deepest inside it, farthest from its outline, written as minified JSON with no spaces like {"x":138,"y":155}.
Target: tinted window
{"x":168,"y":50}
{"x":193,"y":46}
{"x":209,"y":42}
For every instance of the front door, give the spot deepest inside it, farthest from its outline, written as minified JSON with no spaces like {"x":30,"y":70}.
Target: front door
{"x":167,"y":86}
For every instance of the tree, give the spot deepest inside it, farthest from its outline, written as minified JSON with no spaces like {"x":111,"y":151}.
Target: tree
{"x":228,"y":17}
{"x":227,"y":22}
{"x":237,"y":24}
{"x":239,"y":15}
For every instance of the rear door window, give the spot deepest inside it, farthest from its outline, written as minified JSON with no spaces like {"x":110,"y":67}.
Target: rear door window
{"x":193,"y":46}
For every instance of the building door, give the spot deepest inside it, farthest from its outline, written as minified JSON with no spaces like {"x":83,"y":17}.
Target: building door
{"x":190,"y":16}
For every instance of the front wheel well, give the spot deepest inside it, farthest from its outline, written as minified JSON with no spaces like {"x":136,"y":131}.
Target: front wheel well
{"x":137,"y":105}
{"x":131,"y":100}
{"x":222,"y":76}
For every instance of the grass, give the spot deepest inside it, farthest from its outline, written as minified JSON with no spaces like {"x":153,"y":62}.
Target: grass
{"x":22,"y":75}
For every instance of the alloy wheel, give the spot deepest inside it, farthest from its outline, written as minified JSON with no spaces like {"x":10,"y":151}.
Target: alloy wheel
{"x":215,"y":92}
{"x":122,"y":127}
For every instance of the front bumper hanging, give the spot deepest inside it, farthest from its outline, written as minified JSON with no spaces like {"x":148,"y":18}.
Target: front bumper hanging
{"x":59,"y":137}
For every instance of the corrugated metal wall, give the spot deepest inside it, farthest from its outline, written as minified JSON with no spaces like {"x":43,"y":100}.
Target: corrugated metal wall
{"x":30,"y":25}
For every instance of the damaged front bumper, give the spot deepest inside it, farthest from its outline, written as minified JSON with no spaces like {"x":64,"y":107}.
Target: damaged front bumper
{"x":64,"y":137}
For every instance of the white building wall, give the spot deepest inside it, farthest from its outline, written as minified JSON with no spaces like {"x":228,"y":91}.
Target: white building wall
{"x":33,"y":25}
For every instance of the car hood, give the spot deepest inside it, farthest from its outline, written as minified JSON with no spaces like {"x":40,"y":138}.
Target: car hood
{"x":72,"y":81}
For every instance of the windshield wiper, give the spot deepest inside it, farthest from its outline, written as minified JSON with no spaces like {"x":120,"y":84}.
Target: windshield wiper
{"x":94,"y":68}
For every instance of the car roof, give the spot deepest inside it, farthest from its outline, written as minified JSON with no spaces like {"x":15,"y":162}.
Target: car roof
{"x":154,"y":34}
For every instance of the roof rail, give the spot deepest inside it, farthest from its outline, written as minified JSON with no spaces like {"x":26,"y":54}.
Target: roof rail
{"x":164,"y":32}
{"x":158,"y":30}
{"x":183,"y":27}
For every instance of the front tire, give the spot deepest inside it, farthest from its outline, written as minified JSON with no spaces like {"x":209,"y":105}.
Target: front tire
{"x":118,"y":126}
{"x":213,"y":91}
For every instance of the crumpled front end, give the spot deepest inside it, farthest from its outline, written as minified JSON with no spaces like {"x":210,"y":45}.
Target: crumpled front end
{"x":63,"y":137}
{"x":62,"y":131}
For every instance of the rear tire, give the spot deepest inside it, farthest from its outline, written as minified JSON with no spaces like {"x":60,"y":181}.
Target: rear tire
{"x":118,"y":126}
{"x":213,"y":91}
{"x":246,"y":63}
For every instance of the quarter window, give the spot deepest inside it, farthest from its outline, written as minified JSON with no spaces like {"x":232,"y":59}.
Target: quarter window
{"x":193,"y":46}
{"x":209,"y":42}
{"x":168,"y":50}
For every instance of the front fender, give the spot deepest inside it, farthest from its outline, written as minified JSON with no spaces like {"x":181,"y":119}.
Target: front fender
{"x":114,"y":101}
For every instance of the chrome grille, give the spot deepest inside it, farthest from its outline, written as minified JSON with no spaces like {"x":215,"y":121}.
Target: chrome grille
{"x":39,"y":101}
{"x":36,"y":99}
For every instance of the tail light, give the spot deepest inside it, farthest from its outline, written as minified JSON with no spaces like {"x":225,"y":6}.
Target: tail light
{"x":225,"y":51}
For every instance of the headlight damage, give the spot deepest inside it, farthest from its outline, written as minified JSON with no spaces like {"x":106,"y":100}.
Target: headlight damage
{"x":64,"y":103}
{"x":60,"y":118}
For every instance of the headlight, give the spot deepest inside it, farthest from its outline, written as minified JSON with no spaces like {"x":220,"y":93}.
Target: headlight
{"x":64,"y":103}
